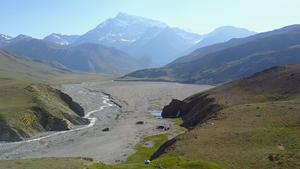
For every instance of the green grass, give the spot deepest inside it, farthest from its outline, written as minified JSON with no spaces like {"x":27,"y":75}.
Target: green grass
{"x":143,"y":152}
{"x":46,"y":163}
{"x":245,"y":136}
{"x":177,"y":122}
{"x":169,"y":162}
{"x":136,"y":161}
{"x":18,"y":107}
{"x":16,"y":103}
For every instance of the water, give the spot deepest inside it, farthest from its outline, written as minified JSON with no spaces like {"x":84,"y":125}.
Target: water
{"x":156,"y":114}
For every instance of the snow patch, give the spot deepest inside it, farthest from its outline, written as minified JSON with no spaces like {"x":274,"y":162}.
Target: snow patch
{"x":6,"y":37}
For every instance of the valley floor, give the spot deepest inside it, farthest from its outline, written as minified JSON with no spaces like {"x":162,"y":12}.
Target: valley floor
{"x":133,"y":102}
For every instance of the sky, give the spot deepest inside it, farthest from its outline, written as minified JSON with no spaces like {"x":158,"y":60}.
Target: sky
{"x":38,"y":18}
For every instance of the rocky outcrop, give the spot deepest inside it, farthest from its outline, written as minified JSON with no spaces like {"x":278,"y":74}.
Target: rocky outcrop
{"x":72,"y":105}
{"x":192,"y":110}
{"x":7,"y":133}
{"x":162,"y":148}
{"x":197,"y":109}
{"x":172,"y":110}
{"x":50,"y":122}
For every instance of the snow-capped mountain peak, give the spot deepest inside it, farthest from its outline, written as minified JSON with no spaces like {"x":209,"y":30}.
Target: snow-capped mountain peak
{"x":120,"y":31}
{"x":5,"y":37}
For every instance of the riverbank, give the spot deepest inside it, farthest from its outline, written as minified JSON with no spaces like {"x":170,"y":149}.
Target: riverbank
{"x":114,"y":145}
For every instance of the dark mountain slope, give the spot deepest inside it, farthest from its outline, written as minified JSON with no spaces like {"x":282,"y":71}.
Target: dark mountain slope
{"x":197,"y":54}
{"x":249,"y":123}
{"x":232,"y":60}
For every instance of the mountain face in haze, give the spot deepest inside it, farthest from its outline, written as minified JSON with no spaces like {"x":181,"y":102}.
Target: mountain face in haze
{"x":151,"y":43}
{"x":61,"y":39}
{"x":145,"y":39}
{"x":219,"y":35}
{"x":135,"y":35}
{"x":231,"y":60}
{"x":18,"y":68}
{"x":6,"y":40}
{"x":162,"y":48}
{"x":84,"y":57}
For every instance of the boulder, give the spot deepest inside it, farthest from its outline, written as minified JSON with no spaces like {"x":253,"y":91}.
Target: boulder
{"x":139,"y":122}
{"x":160,"y":127}
{"x":105,"y":129}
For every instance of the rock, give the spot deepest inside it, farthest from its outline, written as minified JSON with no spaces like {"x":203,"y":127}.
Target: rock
{"x":87,"y":159}
{"x":272,"y":157}
{"x":172,"y":110}
{"x":160,"y":127}
{"x":71,"y":104}
{"x":139,"y":122}
{"x":105,"y":129}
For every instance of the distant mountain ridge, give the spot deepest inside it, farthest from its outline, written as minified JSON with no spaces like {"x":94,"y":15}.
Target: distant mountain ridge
{"x":231,"y":60}
{"x":85,"y":57}
{"x":61,"y":39}
{"x":24,"y":69}
{"x":6,"y":39}
{"x":221,"y":34}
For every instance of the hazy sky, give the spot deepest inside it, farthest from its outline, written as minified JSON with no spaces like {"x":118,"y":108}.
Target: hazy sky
{"x":38,"y":18}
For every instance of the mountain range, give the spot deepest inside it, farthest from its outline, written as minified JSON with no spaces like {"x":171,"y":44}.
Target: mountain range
{"x":230,"y":60}
{"x":86,"y":57}
{"x":152,"y":42}
{"x":141,"y":38}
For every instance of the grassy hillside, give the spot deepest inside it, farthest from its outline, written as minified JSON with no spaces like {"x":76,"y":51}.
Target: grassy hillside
{"x":15,"y":68}
{"x":46,"y":163}
{"x":35,"y":108}
{"x":257,"y":125}
{"x":28,"y":105}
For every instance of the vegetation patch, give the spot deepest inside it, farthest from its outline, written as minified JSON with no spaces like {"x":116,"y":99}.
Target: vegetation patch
{"x":136,"y":161}
{"x":46,"y":163}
